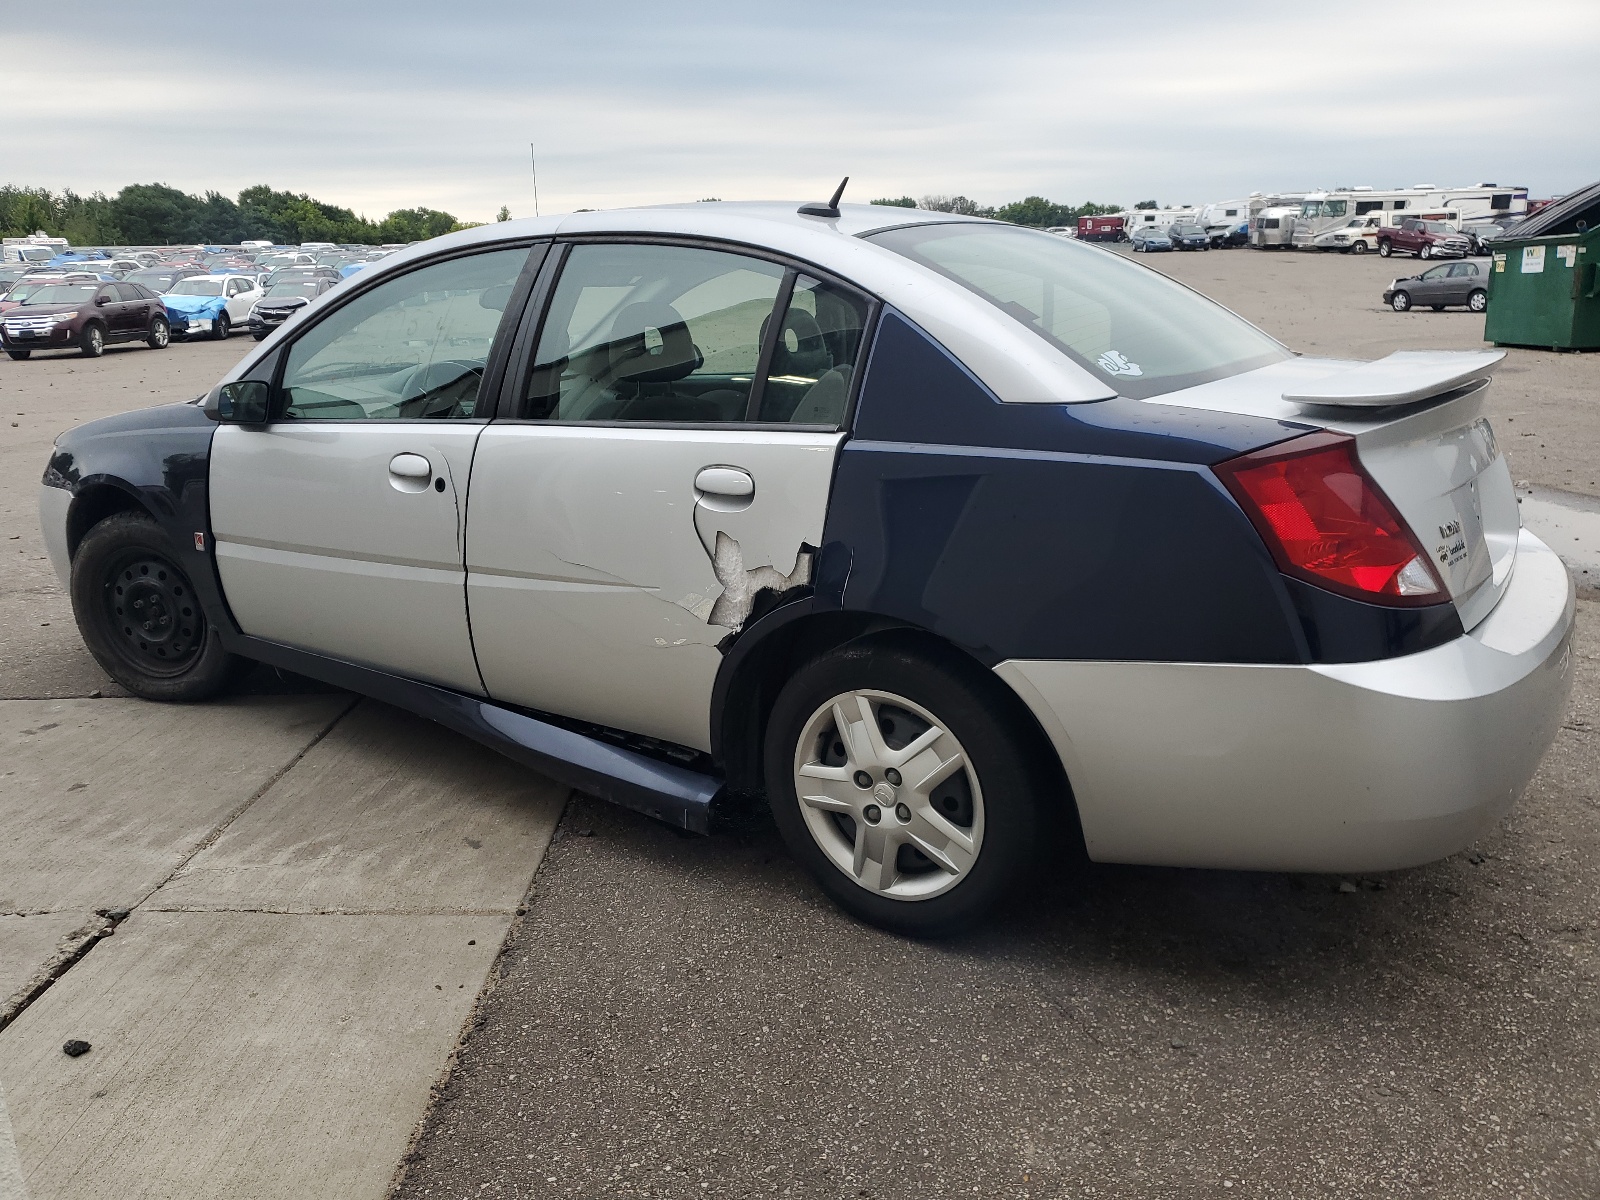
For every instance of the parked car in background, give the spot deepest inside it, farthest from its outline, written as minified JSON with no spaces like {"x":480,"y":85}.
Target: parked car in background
{"x":1425,"y":239}
{"x":161,"y":279}
{"x":1225,"y":237}
{"x":1458,"y":283}
{"x":214,"y":305}
{"x":286,"y":274}
{"x":282,"y":301}
{"x":1358,"y":235}
{"x":1188,"y":237}
{"x":85,"y":316}
{"x":966,"y":612}
{"x":1150,"y":239}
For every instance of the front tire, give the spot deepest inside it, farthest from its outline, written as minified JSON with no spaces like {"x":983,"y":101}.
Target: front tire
{"x":898,"y":783}
{"x":140,"y":617}
{"x":1426,"y":251}
{"x":19,"y":355}
{"x":1400,"y":301}
{"x":92,"y":342}
{"x":1359,"y":247}
{"x":160,"y":334}
{"x":221,"y":327}
{"x":260,"y":337}
{"x":1478,"y":301}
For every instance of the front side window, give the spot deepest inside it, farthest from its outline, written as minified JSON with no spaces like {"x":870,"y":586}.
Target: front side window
{"x":1436,"y":273}
{"x":652,"y":333}
{"x":1335,"y":208}
{"x":1129,"y":326}
{"x":414,"y":347}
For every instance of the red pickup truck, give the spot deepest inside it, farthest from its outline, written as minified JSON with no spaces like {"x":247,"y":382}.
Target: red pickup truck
{"x":1101,"y":229}
{"x":1425,"y":239}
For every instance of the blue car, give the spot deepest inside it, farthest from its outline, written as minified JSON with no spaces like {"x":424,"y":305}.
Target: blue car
{"x":1150,"y":239}
{"x":974,"y":549}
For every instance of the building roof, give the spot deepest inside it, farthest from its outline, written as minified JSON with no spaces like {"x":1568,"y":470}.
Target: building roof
{"x":1562,"y":216}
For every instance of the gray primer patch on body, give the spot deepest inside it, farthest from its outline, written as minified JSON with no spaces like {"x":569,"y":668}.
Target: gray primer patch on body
{"x":739,"y":586}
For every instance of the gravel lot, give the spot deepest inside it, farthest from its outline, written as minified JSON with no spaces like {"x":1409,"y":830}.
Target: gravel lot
{"x":686,"y":1017}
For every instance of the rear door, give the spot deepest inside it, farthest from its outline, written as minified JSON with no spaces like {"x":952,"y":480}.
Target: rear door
{"x":668,"y":457}
{"x":339,"y":526}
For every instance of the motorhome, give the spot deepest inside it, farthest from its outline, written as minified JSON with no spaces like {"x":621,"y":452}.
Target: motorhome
{"x":1321,"y":211}
{"x":34,"y":250}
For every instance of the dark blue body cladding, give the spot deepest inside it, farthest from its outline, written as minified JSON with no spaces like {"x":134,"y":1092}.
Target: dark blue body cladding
{"x":1090,"y":531}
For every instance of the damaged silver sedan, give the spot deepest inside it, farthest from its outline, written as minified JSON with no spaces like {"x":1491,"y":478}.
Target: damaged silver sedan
{"x":971,"y":547}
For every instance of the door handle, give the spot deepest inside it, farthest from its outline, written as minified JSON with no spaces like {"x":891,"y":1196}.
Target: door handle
{"x":731,"y":482}
{"x":410,"y":473}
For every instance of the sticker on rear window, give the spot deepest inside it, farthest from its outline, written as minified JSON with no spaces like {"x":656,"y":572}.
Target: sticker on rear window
{"x":1114,"y":363}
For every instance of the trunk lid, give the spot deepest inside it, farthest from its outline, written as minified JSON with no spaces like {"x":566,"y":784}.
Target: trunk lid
{"x":1418,"y":423}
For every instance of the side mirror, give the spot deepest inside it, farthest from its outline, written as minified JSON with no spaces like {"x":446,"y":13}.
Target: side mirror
{"x":102,"y":300}
{"x":244,"y":402}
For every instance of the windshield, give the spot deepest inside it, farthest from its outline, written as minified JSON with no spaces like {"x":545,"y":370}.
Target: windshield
{"x":1187,"y":230}
{"x":61,"y":293}
{"x":1122,"y":322}
{"x":278,"y":290}
{"x":197,"y":287}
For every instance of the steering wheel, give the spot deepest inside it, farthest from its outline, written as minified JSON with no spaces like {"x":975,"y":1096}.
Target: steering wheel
{"x":446,"y":388}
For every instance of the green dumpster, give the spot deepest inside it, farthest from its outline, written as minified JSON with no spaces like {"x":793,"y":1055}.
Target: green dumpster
{"x":1544,"y":288}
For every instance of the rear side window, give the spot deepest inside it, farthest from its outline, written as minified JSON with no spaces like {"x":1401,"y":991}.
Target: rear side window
{"x":815,"y":358}
{"x":652,"y":333}
{"x":1126,"y":324}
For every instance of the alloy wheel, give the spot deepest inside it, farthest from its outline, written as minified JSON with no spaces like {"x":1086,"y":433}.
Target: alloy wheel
{"x":889,"y":795}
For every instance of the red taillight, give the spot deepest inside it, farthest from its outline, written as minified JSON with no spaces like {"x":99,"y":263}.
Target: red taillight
{"x":1326,"y":521}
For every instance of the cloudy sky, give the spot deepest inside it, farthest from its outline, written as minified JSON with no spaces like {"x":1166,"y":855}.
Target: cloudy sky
{"x":384,"y":105}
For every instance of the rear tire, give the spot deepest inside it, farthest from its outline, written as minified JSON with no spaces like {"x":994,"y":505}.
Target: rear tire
{"x":140,"y":617}
{"x":92,"y":341}
{"x":1478,"y":301}
{"x":1400,"y":301}
{"x":1385,"y":249}
{"x":19,"y":355}
{"x":947,"y":853}
{"x":221,"y":327}
{"x":160,"y":334}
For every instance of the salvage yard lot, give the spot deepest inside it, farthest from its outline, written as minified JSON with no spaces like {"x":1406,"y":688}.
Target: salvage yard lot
{"x":318,"y":888}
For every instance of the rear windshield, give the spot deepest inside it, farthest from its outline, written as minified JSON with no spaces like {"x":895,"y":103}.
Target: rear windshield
{"x":1127,"y":324}
{"x":197,"y":287}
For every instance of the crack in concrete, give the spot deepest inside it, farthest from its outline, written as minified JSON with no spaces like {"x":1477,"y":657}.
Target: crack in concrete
{"x":69,"y":952}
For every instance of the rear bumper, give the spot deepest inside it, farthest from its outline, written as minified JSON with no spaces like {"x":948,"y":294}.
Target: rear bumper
{"x":1342,"y":767}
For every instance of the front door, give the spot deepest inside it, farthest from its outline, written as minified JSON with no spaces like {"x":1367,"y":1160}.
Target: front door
{"x":339,"y":526}
{"x":671,"y":460}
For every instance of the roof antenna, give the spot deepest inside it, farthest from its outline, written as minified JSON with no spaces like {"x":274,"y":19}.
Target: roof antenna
{"x":813,"y":208}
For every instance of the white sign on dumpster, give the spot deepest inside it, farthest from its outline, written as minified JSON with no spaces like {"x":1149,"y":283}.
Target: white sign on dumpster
{"x":1567,"y":254}
{"x":1533,"y":260}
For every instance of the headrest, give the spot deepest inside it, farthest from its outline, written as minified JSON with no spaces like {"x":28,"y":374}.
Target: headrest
{"x":639,"y":357}
{"x":801,"y":349}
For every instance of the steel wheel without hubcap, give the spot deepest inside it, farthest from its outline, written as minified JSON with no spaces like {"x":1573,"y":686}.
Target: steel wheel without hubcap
{"x":888,"y":795}
{"x":153,"y":614}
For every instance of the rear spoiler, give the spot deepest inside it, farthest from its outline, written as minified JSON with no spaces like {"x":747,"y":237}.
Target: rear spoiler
{"x":1405,"y":377}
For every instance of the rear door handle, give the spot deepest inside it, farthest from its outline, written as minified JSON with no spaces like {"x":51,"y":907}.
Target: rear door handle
{"x":731,"y":482}
{"x":411,"y":466}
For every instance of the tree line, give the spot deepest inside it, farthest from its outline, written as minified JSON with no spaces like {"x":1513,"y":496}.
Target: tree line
{"x":1034,"y":210}
{"x":153,"y":214}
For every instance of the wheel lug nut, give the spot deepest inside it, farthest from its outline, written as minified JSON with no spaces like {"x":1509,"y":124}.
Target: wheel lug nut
{"x":903,"y":811}
{"x":892,"y":776}
{"x":863,"y":780}
{"x":872,"y":813}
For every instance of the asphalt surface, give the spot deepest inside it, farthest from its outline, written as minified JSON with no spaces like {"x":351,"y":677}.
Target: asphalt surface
{"x":673,"y":1016}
